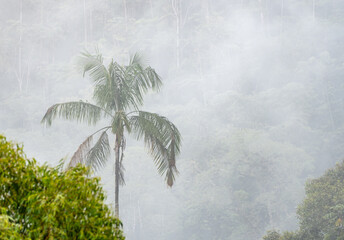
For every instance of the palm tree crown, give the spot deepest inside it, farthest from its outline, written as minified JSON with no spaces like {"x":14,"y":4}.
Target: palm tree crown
{"x":118,"y":95}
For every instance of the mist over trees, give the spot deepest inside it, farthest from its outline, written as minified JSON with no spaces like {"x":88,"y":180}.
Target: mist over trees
{"x":254,"y":86}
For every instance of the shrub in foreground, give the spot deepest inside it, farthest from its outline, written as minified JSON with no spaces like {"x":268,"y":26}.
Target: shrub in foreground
{"x":40,"y":202}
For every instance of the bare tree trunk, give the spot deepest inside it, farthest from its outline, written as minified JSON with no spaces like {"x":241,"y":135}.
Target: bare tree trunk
{"x":91,"y":24}
{"x":207,"y":11}
{"x":329,"y":104}
{"x":269,"y":207}
{"x":138,"y":226}
{"x":41,"y":35}
{"x":103,"y":25}
{"x":53,"y":51}
{"x":134,"y":214}
{"x":85,"y":25}
{"x":151,"y":8}
{"x":282,"y":8}
{"x":117,"y":173}
{"x":27,"y":77}
{"x":20,"y":67}
{"x":262,"y":17}
{"x":202,"y":78}
{"x":282,"y":15}
{"x":176,"y":10}
{"x":125,"y":15}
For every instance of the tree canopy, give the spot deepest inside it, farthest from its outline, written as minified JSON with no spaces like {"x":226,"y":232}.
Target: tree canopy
{"x":42,"y":202}
{"x":321,"y":212}
{"x":257,"y":95}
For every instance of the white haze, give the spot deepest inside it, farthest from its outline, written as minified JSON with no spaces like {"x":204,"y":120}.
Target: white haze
{"x":256,"y":93}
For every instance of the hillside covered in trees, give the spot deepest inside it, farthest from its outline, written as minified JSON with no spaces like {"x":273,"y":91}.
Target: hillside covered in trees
{"x":255,"y":88}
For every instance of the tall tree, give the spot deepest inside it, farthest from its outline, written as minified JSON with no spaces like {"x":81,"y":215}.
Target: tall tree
{"x":118,"y":95}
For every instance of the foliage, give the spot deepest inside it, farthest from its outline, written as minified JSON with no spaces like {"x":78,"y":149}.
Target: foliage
{"x":252,"y":187}
{"x":275,"y":235}
{"x":321,"y":213}
{"x":47,"y":203}
{"x":118,"y":93}
{"x":272,"y":235}
{"x":270,"y":66}
{"x":8,"y":230}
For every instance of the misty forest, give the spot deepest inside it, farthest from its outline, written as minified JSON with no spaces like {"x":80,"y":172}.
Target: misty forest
{"x":175,"y":119}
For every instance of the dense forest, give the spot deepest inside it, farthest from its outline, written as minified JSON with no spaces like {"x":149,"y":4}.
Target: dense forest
{"x":255,"y":88}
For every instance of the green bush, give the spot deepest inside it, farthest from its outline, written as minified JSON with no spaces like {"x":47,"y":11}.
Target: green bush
{"x":272,"y":235}
{"x":40,"y":202}
{"x":321,"y":213}
{"x":8,"y":230}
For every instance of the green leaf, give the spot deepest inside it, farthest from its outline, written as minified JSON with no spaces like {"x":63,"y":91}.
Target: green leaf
{"x":98,"y":155}
{"x":162,"y":139}
{"x":80,"y":111}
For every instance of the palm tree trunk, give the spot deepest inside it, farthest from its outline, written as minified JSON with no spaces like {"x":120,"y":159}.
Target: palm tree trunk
{"x":117,"y":149}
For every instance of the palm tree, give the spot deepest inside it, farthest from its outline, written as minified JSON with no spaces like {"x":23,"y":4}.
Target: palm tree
{"x":118,"y":95}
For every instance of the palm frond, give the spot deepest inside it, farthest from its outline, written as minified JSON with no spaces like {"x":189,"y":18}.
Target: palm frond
{"x":80,"y":111}
{"x":98,"y":155}
{"x":126,"y":94}
{"x":114,"y":94}
{"x":141,"y":79}
{"x":93,"y":65}
{"x":137,"y":58}
{"x":154,"y":78}
{"x":120,"y":87}
{"x":162,"y":139}
{"x":108,"y":81}
{"x":80,"y":155}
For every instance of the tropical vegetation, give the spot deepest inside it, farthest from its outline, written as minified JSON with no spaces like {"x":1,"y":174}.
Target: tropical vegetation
{"x":255,"y":88}
{"x":321,"y":213}
{"x":118,"y":95}
{"x":42,"y":202}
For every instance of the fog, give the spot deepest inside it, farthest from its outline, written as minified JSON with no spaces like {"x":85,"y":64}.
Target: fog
{"x":254,"y":86}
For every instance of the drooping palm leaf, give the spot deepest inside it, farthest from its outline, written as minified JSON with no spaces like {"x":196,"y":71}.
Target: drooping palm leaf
{"x":137,"y":59}
{"x":162,"y":138}
{"x":80,"y":155}
{"x":98,"y":155}
{"x":80,"y":111}
{"x":93,"y":65}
